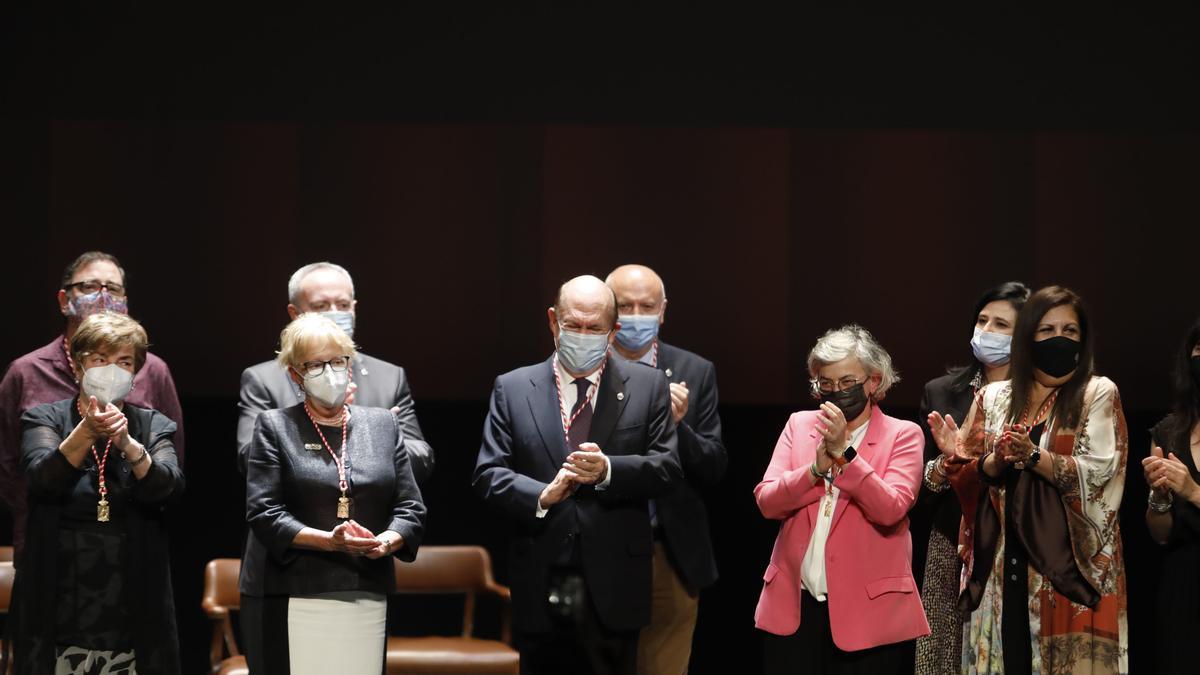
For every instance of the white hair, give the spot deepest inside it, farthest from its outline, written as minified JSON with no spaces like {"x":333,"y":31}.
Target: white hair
{"x":853,"y":340}
{"x":298,"y":277}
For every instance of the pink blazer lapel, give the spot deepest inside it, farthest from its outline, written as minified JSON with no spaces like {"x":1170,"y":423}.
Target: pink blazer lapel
{"x":868,"y":451}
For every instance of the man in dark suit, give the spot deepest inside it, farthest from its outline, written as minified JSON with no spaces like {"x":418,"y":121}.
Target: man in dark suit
{"x":327,"y":288}
{"x":683,"y":552}
{"x":573,"y":448}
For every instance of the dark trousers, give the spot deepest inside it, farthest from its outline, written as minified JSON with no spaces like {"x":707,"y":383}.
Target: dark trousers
{"x":265,"y":634}
{"x":810,"y":650}
{"x":581,"y":646}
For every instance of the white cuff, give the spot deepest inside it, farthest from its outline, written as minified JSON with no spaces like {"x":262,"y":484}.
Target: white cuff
{"x":603,"y":485}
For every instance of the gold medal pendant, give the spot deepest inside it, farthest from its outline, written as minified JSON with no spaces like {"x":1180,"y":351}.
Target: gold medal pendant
{"x":102,"y":510}
{"x":343,"y":510}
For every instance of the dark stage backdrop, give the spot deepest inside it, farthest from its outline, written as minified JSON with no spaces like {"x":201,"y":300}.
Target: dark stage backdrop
{"x":458,"y":236}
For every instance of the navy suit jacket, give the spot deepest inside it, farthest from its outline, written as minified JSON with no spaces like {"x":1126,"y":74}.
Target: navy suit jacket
{"x":523,"y":449}
{"x":681,"y":514}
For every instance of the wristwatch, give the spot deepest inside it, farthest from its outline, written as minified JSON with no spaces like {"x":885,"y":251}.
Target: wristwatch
{"x":846,"y":457}
{"x":1034,"y":458}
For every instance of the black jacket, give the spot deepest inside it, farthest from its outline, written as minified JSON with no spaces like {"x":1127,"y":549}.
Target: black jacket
{"x":937,"y":510}
{"x":681,"y":514}
{"x":523,"y":448}
{"x":289,"y":486}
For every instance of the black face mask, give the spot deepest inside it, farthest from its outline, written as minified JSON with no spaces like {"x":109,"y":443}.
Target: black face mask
{"x":850,"y":401}
{"x":1056,"y":356}
{"x":1196,"y":370}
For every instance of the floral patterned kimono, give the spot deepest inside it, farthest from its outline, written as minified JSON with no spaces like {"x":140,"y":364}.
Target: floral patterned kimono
{"x":1076,"y":576}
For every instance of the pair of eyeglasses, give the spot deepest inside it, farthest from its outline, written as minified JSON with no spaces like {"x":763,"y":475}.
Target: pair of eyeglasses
{"x":337,"y":364}
{"x":829,"y":386}
{"x":89,"y":286}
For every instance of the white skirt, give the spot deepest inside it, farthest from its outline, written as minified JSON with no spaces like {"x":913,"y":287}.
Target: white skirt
{"x":343,"y":632}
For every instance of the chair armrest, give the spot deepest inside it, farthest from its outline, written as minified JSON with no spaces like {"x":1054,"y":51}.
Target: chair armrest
{"x":212,"y":610}
{"x":500,"y":590}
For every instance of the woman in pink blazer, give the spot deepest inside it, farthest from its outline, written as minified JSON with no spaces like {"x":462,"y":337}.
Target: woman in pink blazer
{"x":838,"y":594}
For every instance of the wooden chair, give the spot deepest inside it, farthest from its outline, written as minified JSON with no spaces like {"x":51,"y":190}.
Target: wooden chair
{"x":465,"y":570}
{"x":220,"y":598}
{"x":7,"y":574}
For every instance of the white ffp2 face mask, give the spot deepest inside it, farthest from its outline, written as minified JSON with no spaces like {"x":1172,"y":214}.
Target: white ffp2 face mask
{"x":328,"y":388}
{"x":109,"y":384}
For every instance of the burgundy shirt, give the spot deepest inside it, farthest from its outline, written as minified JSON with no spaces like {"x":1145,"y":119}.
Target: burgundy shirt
{"x":45,"y":376}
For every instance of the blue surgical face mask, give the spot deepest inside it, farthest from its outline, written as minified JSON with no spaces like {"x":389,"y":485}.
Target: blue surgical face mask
{"x":992,"y":349}
{"x":579,"y":352}
{"x":637,"y":331}
{"x":344,"y":320}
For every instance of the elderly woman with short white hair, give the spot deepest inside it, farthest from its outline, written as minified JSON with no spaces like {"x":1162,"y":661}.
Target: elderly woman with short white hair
{"x":838,"y":593}
{"x":330,"y":498}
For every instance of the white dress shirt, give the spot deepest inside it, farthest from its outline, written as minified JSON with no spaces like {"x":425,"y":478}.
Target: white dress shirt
{"x":569,"y":394}
{"x":812,"y":570}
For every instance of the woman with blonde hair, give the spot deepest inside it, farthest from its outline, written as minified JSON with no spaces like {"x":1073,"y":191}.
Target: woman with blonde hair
{"x":330,"y":499}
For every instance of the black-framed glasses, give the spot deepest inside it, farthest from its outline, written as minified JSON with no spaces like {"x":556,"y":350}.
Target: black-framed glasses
{"x":829,"y":386}
{"x":89,"y":286}
{"x":337,"y":364}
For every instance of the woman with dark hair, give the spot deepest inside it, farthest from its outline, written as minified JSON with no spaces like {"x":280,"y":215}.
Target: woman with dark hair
{"x":1039,"y":469}
{"x":994,"y":317}
{"x":1173,"y":514}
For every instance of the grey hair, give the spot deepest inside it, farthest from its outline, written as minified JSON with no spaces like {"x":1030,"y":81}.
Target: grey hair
{"x":853,"y":340}
{"x":298,"y":276}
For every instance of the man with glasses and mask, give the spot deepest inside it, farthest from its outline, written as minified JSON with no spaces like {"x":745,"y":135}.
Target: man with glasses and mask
{"x":573,"y":448}
{"x":94,"y":282}
{"x":327,"y":289}
{"x":683,"y":552}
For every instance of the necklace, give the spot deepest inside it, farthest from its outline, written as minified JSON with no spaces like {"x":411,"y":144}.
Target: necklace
{"x":102,"y":513}
{"x":1043,"y":412}
{"x":566,"y":423}
{"x":70,"y":361}
{"x":343,"y":505}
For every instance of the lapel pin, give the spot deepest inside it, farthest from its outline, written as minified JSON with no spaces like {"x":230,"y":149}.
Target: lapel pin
{"x":668,"y":372}
{"x":312,"y":446}
{"x":620,"y":396}
{"x":363,"y":371}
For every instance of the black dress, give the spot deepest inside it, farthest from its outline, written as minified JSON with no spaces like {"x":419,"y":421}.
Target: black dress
{"x":1179,"y":586}
{"x":74,"y":586}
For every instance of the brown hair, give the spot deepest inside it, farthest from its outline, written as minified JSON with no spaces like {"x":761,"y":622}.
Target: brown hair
{"x":86,"y":259}
{"x":1070,"y":395}
{"x":104,"y":331}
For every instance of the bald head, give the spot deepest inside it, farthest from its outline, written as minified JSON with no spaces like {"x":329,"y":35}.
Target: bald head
{"x":586,"y":299}
{"x":638,"y":290}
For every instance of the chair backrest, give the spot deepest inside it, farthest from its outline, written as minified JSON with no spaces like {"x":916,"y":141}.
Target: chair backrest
{"x":220,"y":598}
{"x":452,"y":569}
{"x":445,"y":569}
